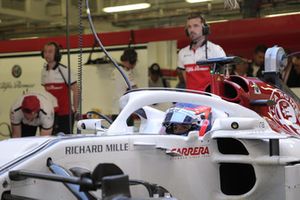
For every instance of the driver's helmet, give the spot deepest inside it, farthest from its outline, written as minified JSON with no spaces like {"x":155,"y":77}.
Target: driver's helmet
{"x":183,"y":118}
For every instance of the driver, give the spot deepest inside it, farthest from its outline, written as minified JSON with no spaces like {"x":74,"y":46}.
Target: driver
{"x":183,"y":118}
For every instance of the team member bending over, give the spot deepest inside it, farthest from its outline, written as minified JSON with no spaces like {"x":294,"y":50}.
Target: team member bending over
{"x":30,"y":111}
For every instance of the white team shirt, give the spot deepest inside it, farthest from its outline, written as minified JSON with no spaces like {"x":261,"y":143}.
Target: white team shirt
{"x":59,"y":74}
{"x":198,"y":77}
{"x":55,"y":81}
{"x":187,"y":56}
{"x":45,"y":117}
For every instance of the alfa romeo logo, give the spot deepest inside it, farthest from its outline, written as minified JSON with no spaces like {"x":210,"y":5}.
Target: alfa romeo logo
{"x":285,"y":112}
{"x":16,"y":71}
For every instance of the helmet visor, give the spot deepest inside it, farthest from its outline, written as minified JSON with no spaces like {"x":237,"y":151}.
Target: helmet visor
{"x":179,"y":115}
{"x":178,"y":121}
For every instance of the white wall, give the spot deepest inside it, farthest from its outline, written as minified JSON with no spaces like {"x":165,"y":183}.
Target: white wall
{"x":98,"y":86}
{"x":164,"y":53}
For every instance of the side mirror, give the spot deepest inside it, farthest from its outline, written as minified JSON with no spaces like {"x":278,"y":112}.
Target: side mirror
{"x":91,"y":125}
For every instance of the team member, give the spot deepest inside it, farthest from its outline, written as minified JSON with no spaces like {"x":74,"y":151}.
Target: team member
{"x":31,"y":111}
{"x":128,"y":63}
{"x":257,"y":66}
{"x":156,"y":78}
{"x":197,"y":77}
{"x":55,"y":79}
{"x":293,"y":74}
{"x":240,"y":68}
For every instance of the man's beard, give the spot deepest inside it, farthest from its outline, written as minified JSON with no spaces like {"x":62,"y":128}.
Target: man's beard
{"x":196,"y":38}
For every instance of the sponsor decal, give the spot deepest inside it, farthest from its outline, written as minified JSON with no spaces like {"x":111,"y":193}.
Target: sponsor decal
{"x":16,"y":71}
{"x":7,"y":85}
{"x":262,"y":125}
{"x":192,"y":151}
{"x":256,"y":89}
{"x":285,"y":112}
{"x":117,"y":147}
{"x":195,"y":68}
{"x":87,"y":149}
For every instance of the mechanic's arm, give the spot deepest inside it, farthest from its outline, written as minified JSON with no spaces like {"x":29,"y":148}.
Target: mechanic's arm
{"x":44,"y":132}
{"x":181,"y":74}
{"x":74,"y":89}
{"x":47,"y":122}
{"x":16,"y":130}
{"x":180,"y":68}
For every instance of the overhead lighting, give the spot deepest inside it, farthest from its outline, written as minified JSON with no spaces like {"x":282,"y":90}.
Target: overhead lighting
{"x":282,"y":14}
{"x":196,"y":1}
{"x":127,"y":7}
{"x":24,"y":38}
{"x":217,"y":21}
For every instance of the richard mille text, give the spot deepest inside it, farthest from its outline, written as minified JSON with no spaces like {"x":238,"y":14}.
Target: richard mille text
{"x":86,"y":149}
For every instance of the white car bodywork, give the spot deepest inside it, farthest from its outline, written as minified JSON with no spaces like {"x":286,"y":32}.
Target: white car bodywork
{"x":226,"y":163}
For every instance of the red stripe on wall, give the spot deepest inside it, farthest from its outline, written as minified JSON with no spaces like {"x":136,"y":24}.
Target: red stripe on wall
{"x":237,"y":37}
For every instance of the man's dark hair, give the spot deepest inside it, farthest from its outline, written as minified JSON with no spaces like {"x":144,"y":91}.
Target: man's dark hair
{"x":155,"y":69}
{"x":260,"y":48}
{"x":205,"y":26}
{"x":129,"y":55}
{"x":196,"y":15}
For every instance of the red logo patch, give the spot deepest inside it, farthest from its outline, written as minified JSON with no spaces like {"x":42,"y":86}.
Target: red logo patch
{"x":285,"y":112}
{"x":191,"y":151}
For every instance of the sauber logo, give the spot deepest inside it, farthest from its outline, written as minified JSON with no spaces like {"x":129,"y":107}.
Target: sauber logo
{"x":195,"y":68}
{"x":285,"y":112}
{"x":191,"y":151}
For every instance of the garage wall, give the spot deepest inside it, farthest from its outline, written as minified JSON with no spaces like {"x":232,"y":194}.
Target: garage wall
{"x":97,"y":82}
{"x":237,"y":37}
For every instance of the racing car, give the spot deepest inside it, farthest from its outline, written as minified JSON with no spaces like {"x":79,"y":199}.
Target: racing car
{"x":251,"y":149}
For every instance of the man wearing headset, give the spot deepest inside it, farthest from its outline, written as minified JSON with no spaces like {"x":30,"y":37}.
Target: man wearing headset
{"x":55,"y":79}
{"x":197,"y":77}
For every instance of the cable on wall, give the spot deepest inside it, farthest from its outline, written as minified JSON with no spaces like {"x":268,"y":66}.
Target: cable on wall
{"x":103,"y":48}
